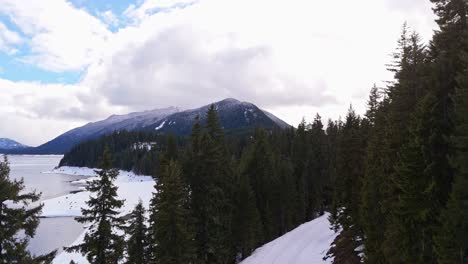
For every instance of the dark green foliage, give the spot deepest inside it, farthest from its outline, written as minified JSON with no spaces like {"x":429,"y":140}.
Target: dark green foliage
{"x":246,"y":223}
{"x":137,"y":242}
{"x":452,"y":237}
{"x":102,"y":244}
{"x":259,"y":168}
{"x":171,"y":233}
{"x":211,"y":182}
{"x":371,"y":213}
{"x":16,"y":215}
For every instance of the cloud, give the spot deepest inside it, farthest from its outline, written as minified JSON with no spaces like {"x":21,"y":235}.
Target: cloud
{"x":8,"y":39}
{"x":295,"y":57}
{"x":109,"y":18}
{"x":61,"y":37}
{"x":180,"y":66}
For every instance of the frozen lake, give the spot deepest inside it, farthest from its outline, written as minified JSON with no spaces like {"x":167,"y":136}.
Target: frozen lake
{"x":52,"y":233}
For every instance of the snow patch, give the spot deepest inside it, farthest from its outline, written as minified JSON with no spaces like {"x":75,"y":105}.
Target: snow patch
{"x":161,"y":125}
{"x":306,"y":244}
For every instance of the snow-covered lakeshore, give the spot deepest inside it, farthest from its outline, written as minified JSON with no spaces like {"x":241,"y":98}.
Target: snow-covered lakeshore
{"x":131,"y":188}
{"x":307,"y":243}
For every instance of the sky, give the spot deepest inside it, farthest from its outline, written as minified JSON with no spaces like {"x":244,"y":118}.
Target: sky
{"x":66,"y":63}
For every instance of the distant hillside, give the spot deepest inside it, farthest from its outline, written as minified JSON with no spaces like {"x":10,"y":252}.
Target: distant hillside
{"x":9,"y":144}
{"x":234,"y":116}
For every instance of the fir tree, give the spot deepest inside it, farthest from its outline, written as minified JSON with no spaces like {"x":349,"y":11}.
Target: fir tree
{"x":171,"y":233}
{"x":452,"y":237}
{"x":247,"y":228}
{"x":371,"y":214}
{"x":259,"y":167}
{"x":17,"y":216}
{"x":102,"y":243}
{"x":137,"y":231}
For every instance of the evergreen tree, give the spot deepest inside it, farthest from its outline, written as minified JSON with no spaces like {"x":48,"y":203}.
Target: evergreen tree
{"x":102,"y":243}
{"x":316,"y":177}
{"x":247,"y":228}
{"x":171,"y":233}
{"x":300,"y":153}
{"x":372,"y":216}
{"x":137,"y":231}
{"x":17,"y":216}
{"x":211,"y":182}
{"x":259,"y":166}
{"x":452,"y":237}
{"x":410,"y":231}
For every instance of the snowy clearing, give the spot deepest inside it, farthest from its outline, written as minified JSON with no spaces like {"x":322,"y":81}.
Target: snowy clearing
{"x":307,"y":244}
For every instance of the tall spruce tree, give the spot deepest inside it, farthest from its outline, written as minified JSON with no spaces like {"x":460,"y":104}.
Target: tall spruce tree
{"x":410,"y":231}
{"x":452,"y":237}
{"x":171,"y":232}
{"x":16,"y":215}
{"x":372,"y":216}
{"x":102,"y":243}
{"x":246,"y":225}
{"x":214,"y":195}
{"x":137,"y":232}
{"x":259,"y":167}
{"x":300,"y":153}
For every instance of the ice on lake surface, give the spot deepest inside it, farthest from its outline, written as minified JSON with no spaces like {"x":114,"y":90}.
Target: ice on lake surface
{"x":52,"y":233}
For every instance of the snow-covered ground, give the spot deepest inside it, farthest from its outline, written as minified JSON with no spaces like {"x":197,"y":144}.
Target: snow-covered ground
{"x":307,"y":244}
{"x":131,"y":187}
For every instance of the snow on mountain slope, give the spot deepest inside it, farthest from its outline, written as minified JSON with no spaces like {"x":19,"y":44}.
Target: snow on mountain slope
{"x":6,"y":143}
{"x":234,"y":116}
{"x":307,"y":244}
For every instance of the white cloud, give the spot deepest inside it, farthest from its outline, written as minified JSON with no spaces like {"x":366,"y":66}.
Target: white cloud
{"x":8,"y":39}
{"x":62,"y":37}
{"x":149,"y":7}
{"x":295,"y":57}
{"x":109,"y":18}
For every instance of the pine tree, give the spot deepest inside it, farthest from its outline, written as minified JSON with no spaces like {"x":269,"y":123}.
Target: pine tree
{"x":210,"y":176}
{"x":452,"y":237}
{"x":347,"y":196}
{"x":259,"y":167}
{"x":372,"y":216}
{"x":316,"y":177}
{"x":411,"y":229}
{"x":137,"y":232}
{"x":103,"y":242}
{"x":247,"y":227}
{"x":299,"y":158}
{"x":16,"y":216}
{"x":171,"y":232}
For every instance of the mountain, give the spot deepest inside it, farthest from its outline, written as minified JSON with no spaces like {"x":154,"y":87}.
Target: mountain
{"x":8,"y":144}
{"x":234,"y":116}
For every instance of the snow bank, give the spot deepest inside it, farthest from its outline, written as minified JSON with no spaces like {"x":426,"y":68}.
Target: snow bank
{"x":131,"y":187}
{"x":306,"y":244}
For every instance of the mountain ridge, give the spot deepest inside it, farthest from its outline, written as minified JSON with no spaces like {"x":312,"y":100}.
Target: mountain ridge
{"x":233,"y":114}
{"x":10,"y":144}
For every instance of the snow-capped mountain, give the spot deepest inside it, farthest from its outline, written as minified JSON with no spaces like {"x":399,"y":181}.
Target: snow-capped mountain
{"x":7,"y":144}
{"x":233,"y":114}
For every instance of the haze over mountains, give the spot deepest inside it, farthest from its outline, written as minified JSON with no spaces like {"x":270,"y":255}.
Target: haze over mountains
{"x":234,"y":116}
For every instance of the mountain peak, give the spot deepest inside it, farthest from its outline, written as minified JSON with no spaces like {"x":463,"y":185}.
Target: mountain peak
{"x":230,"y":100}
